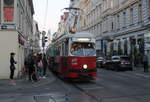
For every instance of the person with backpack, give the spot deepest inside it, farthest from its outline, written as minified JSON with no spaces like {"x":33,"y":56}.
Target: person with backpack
{"x":40,"y":66}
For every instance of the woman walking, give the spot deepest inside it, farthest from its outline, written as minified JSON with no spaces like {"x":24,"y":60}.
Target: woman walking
{"x":12,"y":67}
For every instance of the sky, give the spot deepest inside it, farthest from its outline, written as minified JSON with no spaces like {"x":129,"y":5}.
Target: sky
{"x":54,"y":11}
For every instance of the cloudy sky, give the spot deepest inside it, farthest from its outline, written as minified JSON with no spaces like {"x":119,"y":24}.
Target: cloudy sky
{"x":54,"y":10}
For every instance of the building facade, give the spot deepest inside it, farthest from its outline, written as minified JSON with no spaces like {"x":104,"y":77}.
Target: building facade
{"x":16,"y":17}
{"x":120,"y":26}
{"x":35,"y":38}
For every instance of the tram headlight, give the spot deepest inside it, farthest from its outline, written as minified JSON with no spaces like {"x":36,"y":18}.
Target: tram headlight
{"x":85,"y":66}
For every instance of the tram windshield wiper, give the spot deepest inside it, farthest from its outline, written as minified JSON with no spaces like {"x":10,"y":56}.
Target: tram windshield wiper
{"x":91,"y":53}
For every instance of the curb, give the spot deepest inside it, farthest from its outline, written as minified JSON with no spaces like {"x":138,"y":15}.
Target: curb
{"x":25,"y":84}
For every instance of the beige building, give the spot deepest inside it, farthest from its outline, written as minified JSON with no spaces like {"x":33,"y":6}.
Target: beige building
{"x":35,"y":38}
{"x":16,"y":17}
{"x":63,"y":27}
{"x":120,"y":26}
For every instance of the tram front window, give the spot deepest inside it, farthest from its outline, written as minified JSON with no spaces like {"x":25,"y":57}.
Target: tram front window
{"x":83,"y":49}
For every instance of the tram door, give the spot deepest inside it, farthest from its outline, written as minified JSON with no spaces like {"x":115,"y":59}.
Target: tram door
{"x":64,"y":57}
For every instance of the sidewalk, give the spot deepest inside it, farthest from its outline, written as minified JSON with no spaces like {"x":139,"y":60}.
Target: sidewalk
{"x":140,"y":69}
{"x":24,"y":83}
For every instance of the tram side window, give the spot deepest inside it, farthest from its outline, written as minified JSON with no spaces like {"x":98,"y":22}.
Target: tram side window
{"x":58,"y":51}
{"x":66,"y":48}
{"x":63,"y":49}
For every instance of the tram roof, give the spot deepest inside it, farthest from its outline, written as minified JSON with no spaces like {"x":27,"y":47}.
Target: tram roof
{"x":77,"y":34}
{"x":82,"y":34}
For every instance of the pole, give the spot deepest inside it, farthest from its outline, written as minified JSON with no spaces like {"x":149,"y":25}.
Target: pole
{"x":43,"y":50}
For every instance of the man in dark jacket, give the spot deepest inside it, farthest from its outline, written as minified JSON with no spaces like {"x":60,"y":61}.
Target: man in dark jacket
{"x":44,"y":65}
{"x":12,"y":67}
{"x":31,"y":70}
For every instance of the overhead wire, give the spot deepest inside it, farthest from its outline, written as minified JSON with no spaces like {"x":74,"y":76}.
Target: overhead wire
{"x":36,"y":7}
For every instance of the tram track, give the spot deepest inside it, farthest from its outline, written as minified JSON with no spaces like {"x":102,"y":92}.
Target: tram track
{"x":87,"y":93}
{"x":76,"y":86}
{"x":110,"y":88}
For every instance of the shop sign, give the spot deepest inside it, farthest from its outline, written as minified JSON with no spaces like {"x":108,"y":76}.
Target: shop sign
{"x":8,"y":14}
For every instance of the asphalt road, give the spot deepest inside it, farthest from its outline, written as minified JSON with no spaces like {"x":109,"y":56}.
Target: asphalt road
{"x":109,"y":86}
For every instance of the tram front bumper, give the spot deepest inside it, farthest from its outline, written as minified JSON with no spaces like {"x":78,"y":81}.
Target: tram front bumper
{"x":73,"y":73}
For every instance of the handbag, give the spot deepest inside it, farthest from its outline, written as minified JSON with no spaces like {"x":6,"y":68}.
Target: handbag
{"x":40,"y":64}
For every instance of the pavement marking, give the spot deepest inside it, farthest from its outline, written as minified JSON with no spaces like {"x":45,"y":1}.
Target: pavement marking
{"x":147,"y":76}
{"x":60,"y":97}
{"x":118,"y":75}
{"x":129,"y":75}
{"x":92,"y":88}
{"x":132,"y":74}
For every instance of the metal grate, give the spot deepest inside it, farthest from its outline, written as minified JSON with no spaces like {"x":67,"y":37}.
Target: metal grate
{"x":51,"y":98}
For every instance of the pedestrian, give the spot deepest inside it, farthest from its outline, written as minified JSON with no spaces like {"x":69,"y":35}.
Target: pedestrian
{"x":12,"y":67}
{"x":26,"y":67}
{"x":145,"y":62}
{"x":40,"y":66}
{"x":44,"y":66}
{"x":31,"y":70}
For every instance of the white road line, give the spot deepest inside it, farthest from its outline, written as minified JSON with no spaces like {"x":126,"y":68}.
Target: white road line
{"x":92,"y":88}
{"x":129,"y":75}
{"x":126,"y":75}
{"x":147,"y":76}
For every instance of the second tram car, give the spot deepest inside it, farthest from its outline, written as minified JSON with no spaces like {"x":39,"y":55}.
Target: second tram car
{"x":73,"y":55}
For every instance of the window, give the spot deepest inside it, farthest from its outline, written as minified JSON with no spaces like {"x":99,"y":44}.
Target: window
{"x":124,"y":19}
{"x":96,"y":9}
{"x":100,"y":7}
{"x":112,"y":25}
{"x":104,"y":24}
{"x":104,"y":4}
{"x":0,"y":12}
{"x":8,"y":11}
{"x":82,"y":49}
{"x":100,"y":28}
{"x":140,"y":12}
{"x":148,"y":2}
{"x":99,"y":10}
{"x":107,"y":24}
{"x":131,"y":16}
{"x":118,"y":21}
{"x":111,"y":3}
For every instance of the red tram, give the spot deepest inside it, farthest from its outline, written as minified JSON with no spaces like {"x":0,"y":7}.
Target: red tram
{"x":73,"y":55}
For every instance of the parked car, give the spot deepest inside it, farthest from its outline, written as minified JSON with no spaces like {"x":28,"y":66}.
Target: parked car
{"x":121,"y":63}
{"x":107,"y":63}
{"x":99,"y":62}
